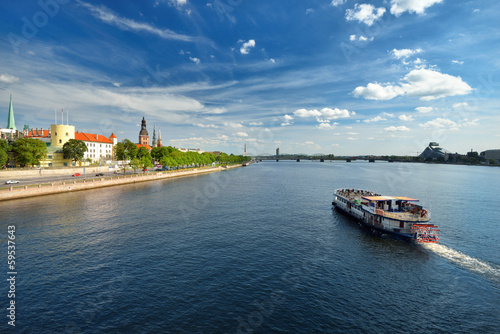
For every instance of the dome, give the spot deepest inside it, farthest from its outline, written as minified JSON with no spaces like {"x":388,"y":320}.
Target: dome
{"x":144,"y":132}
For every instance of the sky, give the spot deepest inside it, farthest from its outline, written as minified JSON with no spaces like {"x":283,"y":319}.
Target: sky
{"x":335,"y":77}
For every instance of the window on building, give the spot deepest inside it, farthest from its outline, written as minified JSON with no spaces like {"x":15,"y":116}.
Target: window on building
{"x":49,"y":157}
{"x":60,"y":141}
{"x":67,"y":134}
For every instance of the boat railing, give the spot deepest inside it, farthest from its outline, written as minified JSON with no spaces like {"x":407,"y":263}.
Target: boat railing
{"x":418,"y":216}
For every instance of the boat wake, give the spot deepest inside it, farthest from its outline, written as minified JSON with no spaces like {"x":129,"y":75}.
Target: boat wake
{"x":468,"y":262}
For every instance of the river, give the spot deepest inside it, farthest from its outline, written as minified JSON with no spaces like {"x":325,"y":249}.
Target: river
{"x":257,"y":250}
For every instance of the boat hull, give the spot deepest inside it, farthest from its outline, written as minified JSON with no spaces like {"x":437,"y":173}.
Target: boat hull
{"x":407,"y":226}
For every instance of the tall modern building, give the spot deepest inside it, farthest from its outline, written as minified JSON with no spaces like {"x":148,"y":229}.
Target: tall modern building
{"x":143,"y":134}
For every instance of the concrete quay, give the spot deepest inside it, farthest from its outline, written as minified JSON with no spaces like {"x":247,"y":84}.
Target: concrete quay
{"x":18,"y":192}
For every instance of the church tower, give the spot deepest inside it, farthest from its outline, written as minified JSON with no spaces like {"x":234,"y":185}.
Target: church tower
{"x":159,"y":138}
{"x":143,"y":134}
{"x":154,"y":136}
{"x":11,"y":124}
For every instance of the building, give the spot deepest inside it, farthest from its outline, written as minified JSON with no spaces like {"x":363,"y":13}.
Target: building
{"x":160,"y":144}
{"x":99,"y":147}
{"x":154,"y":136}
{"x":10,"y":132}
{"x":491,"y":154}
{"x":433,"y":151}
{"x":143,"y":134}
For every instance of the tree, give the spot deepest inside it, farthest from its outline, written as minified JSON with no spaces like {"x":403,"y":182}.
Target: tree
{"x":4,"y":157}
{"x":126,"y":150}
{"x":29,"y":151}
{"x":74,"y":149}
{"x":143,"y":152}
{"x":144,"y":157}
{"x":134,"y":163}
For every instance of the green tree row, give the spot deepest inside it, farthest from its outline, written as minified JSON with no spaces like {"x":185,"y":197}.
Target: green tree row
{"x":169,"y":156}
{"x":30,"y":151}
{"x":27,"y":151}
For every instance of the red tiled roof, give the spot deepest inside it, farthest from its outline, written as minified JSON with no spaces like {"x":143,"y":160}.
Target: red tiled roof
{"x":38,"y":134}
{"x":146,"y":146}
{"x":112,"y":136}
{"x":92,"y":137}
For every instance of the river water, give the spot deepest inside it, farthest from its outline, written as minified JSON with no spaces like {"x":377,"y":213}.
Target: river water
{"x":257,"y":250}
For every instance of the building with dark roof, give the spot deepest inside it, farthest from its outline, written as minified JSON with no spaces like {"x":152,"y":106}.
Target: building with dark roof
{"x":433,"y":151}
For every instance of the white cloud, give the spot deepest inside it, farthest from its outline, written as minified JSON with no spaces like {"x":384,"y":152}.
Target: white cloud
{"x":242,"y":134}
{"x":460,"y":105}
{"x":430,"y":85}
{"x":404,"y":53}
{"x":406,"y":118}
{"x":201,"y":125}
{"x":364,"y":13}
{"x":309,"y":11}
{"x":272,"y":60}
{"x":117,"y":84}
{"x":6,"y":78}
{"x":396,"y":128}
{"x":255,"y":123}
{"x":424,"y":110}
{"x":245,"y":48}
{"x":336,"y":3}
{"x":288,"y":120}
{"x":423,"y":83}
{"x":106,"y":15}
{"x":458,"y":62}
{"x":375,"y":119}
{"x":216,"y":110}
{"x":309,"y":143}
{"x":195,"y":60}
{"x":468,"y":123}
{"x":232,"y":125}
{"x":325,"y":113}
{"x":360,"y":38}
{"x":178,"y":2}
{"x":375,"y":91}
{"x":439,"y":123}
{"x":398,"y":7}
{"x":326,"y":126}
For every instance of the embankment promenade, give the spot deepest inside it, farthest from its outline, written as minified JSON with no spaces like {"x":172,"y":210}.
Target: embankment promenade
{"x":18,"y":192}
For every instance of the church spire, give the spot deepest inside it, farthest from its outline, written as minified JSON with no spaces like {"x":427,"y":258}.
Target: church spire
{"x":11,"y":124}
{"x":160,"y":144}
{"x":154,"y":135}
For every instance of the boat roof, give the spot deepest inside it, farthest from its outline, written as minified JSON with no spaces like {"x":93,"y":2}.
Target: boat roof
{"x":390,"y":198}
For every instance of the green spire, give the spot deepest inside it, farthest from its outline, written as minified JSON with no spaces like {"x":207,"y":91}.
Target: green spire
{"x":154,"y":135}
{"x":11,"y":124}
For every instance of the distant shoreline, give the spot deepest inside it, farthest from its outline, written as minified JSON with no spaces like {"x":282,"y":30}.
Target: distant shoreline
{"x":35,"y":190}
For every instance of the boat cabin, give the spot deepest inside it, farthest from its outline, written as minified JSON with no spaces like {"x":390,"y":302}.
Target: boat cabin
{"x":392,"y":203}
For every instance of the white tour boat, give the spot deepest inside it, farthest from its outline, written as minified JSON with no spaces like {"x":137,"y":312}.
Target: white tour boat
{"x":396,"y":215}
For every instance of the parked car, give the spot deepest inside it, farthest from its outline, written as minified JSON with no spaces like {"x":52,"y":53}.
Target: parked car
{"x":99,"y":174}
{"x":76,"y":174}
{"x":11,"y":181}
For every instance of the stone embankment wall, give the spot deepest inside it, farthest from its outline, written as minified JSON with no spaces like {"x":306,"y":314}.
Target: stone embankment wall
{"x":69,"y":186}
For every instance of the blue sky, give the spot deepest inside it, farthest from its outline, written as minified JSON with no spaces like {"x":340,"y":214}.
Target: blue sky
{"x":335,"y":77}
